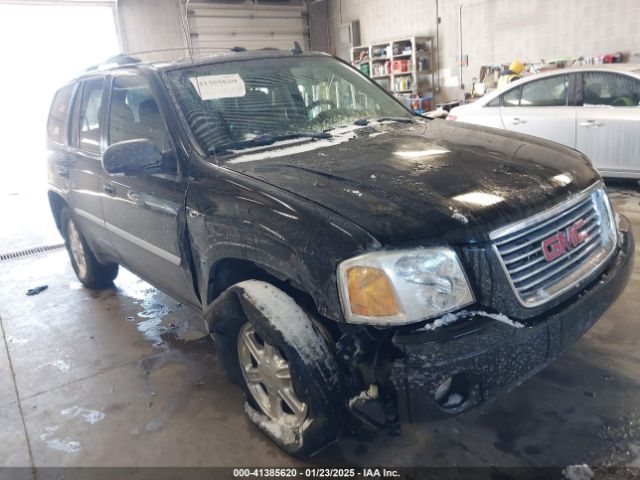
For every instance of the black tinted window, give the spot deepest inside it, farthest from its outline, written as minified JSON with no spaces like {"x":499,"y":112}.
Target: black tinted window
{"x":134,"y":113}
{"x":90,"y":112}
{"x":57,"y":124}
{"x":546,"y":92}
{"x":610,"y":89}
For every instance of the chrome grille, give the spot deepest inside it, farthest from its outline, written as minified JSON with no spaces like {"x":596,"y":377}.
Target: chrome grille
{"x":536,"y":280}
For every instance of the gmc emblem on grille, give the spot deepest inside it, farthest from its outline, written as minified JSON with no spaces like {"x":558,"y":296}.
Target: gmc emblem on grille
{"x":564,"y":241}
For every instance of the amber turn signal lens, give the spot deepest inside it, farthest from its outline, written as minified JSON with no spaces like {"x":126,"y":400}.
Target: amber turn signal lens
{"x":371,"y":293}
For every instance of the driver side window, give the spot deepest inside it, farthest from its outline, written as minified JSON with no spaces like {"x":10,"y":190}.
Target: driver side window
{"x":134,"y":113}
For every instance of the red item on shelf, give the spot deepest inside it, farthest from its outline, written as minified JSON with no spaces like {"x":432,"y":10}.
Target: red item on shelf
{"x":399,"y":66}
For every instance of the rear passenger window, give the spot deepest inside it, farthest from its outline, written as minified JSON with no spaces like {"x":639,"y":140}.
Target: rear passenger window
{"x":511,"y":98}
{"x":546,"y":92}
{"x":610,"y":89}
{"x":90,"y":112}
{"x":134,"y":113}
{"x":57,"y":124}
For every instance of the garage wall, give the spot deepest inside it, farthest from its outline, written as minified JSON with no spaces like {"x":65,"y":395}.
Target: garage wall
{"x":496,"y":31}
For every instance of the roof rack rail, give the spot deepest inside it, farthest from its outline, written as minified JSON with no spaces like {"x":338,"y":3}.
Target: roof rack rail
{"x":176,"y":49}
{"x":119,"y":60}
{"x":128,"y":58}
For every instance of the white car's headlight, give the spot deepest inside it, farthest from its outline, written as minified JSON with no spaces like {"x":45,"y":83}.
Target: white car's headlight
{"x":402,"y":286}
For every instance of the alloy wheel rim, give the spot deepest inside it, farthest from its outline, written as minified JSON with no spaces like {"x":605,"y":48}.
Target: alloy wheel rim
{"x":77,"y":248}
{"x":268,"y":377}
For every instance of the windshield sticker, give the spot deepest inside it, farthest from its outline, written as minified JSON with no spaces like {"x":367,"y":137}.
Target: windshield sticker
{"x":213,"y":87}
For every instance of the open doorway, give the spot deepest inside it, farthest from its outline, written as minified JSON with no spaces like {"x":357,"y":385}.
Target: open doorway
{"x":43,"y":46}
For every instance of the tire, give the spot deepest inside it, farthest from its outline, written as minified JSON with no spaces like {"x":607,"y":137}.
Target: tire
{"x":273,"y":319}
{"x":90,"y":272}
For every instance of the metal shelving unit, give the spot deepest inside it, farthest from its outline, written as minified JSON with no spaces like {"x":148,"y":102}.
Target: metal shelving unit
{"x":377,"y":61}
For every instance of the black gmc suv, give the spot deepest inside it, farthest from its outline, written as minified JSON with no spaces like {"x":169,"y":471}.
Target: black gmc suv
{"x":347,"y":255}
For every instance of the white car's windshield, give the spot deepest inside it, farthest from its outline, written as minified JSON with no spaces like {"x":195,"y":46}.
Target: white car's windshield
{"x":241,"y":103}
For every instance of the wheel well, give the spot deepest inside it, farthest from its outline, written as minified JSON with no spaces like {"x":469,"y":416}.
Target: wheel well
{"x":56,"y":202}
{"x":228,"y":272}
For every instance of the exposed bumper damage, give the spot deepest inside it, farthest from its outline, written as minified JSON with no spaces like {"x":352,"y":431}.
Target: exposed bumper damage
{"x":461,"y":366}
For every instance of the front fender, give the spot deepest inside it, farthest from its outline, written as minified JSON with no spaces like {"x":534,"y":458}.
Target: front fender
{"x":231,"y":216}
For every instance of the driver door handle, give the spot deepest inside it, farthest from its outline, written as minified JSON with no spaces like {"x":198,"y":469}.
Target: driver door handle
{"x":518,"y":121}
{"x":591,"y":123}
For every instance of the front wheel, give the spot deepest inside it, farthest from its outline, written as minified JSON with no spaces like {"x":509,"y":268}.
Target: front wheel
{"x":90,"y":272}
{"x":284,"y":364}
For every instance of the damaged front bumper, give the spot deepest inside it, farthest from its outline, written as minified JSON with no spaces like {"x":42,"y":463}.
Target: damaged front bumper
{"x":461,"y":366}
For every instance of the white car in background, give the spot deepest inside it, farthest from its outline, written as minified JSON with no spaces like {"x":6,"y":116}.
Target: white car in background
{"x":594,"y":109}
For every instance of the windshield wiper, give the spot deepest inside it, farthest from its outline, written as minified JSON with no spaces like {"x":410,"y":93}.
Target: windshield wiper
{"x":266,"y":139}
{"x":395,"y":119}
{"x":363,"y":122}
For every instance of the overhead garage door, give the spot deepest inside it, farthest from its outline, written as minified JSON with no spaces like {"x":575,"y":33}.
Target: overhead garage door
{"x":250,"y":26}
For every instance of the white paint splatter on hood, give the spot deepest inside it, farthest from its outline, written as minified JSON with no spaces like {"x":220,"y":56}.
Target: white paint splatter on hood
{"x":292,"y":150}
{"x":456,"y":215}
{"x":292,"y":146}
{"x":578,"y":472}
{"x":461,"y":218}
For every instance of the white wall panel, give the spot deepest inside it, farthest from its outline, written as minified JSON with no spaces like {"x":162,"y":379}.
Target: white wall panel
{"x":497,"y":31}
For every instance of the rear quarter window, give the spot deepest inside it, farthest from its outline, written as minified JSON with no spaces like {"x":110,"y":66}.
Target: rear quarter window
{"x":610,"y":89}
{"x":57,"y":123}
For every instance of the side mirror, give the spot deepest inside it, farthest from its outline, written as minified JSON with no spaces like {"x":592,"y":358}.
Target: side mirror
{"x":132,"y":157}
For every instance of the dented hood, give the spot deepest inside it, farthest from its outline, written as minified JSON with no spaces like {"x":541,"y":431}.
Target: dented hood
{"x":431,"y":181}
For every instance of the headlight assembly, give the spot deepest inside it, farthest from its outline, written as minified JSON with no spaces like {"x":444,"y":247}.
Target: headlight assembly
{"x":402,"y":286}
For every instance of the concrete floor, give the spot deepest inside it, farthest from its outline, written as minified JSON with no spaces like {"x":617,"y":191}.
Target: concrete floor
{"x":126,"y":377}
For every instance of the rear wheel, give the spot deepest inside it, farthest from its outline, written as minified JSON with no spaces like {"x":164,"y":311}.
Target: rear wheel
{"x":89,"y":271}
{"x":284,"y":364}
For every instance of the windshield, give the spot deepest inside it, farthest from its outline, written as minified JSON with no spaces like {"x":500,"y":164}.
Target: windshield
{"x":233,"y":103}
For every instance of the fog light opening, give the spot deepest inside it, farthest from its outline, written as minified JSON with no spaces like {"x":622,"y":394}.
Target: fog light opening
{"x":453,"y":392}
